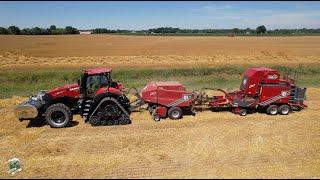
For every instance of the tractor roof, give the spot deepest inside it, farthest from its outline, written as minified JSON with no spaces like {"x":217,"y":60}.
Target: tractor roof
{"x":98,"y":71}
{"x":252,"y":71}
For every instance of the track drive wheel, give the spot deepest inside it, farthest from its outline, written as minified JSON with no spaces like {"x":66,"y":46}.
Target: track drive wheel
{"x":94,"y":121}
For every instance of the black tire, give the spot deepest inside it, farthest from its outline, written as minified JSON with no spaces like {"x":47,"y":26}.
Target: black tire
{"x":175,"y":113}
{"x":151,"y":108}
{"x":284,"y":109}
{"x":94,"y":121}
{"x":243,"y":112}
{"x":272,"y":110}
{"x":156,"y":117}
{"x":58,"y":115}
{"x":193,"y":110}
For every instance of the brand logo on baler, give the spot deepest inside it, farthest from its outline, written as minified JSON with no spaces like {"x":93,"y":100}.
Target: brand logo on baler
{"x":283,"y":94}
{"x":272,"y":76}
{"x":184,"y":98}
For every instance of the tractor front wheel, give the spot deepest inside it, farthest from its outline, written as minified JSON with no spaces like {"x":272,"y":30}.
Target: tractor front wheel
{"x":58,"y":115}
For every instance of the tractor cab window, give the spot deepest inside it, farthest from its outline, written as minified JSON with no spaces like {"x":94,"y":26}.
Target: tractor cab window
{"x":95,"y":82}
{"x":244,"y":83}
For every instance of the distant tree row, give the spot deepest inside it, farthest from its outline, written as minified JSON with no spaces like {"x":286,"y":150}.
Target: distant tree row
{"x":162,"y":30}
{"x":170,"y":30}
{"x":104,"y":30}
{"x":53,"y":30}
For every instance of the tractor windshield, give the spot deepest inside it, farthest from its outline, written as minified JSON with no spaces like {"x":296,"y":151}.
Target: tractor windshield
{"x":244,"y":83}
{"x":94,"y":82}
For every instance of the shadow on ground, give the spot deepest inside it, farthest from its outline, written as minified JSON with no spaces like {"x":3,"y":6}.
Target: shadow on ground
{"x":42,"y":122}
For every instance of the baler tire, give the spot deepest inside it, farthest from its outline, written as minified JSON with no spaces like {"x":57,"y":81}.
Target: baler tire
{"x":243,"y":112}
{"x":175,"y":110}
{"x":152,"y":108}
{"x":272,"y":110}
{"x":62,"y":108}
{"x":284,"y":109}
{"x":156,"y":118}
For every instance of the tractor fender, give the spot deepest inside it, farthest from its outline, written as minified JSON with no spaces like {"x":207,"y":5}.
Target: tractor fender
{"x":111,"y":99}
{"x":107,"y":89}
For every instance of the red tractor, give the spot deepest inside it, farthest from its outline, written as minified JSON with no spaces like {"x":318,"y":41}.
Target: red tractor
{"x":263,"y":90}
{"x":96,"y":98}
{"x":168,"y":99}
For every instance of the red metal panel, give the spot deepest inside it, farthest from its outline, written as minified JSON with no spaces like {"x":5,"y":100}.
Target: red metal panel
{"x":149,"y":93}
{"x":278,"y":93}
{"x":166,"y":94}
{"x":165,"y":97}
{"x":69,"y":90}
{"x":161,"y":111}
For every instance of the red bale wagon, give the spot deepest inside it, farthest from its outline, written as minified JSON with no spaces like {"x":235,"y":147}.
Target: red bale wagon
{"x":168,"y":99}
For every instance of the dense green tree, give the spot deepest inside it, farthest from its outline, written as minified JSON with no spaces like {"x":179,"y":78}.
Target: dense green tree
{"x":261,"y":29}
{"x":71,"y":30}
{"x":53,"y":27}
{"x":3,"y":30}
{"x":14,"y":30}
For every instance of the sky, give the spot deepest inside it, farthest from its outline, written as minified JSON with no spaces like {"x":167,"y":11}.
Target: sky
{"x":137,"y":15}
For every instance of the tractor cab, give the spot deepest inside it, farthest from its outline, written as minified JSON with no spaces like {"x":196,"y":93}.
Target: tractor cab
{"x":94,"y":79}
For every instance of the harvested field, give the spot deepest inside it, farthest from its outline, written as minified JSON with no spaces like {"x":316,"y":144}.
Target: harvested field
{"x":153,"y":51}
{"x":221,"y":145}
{"x":209,"y":145}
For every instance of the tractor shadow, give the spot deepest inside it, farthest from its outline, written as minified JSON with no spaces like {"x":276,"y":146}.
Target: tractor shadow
{"x":41,"y":122}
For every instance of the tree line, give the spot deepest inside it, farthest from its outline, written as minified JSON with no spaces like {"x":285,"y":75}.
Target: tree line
{"x":170,"y":30}
{"x":53,"y":30}
{"x":104,"y":30}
